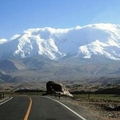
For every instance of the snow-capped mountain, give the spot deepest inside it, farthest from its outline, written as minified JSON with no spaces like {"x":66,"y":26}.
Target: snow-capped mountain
{"x":95,"y":39}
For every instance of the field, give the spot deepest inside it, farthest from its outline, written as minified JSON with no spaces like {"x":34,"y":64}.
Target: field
{"x":97,"y":97}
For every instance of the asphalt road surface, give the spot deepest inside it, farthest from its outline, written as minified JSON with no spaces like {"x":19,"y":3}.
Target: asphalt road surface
{"x":35,"y":108}
{"x":15,"y":109}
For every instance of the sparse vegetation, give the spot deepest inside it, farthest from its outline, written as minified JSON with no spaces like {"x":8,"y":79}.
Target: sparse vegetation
{"x":97,"y":97}
{"x":104,"y":100}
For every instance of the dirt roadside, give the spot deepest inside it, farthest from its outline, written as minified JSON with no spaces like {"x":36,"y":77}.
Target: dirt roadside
{"x":90,"y":110}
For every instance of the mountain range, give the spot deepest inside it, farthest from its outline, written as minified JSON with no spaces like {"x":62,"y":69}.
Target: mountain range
{"x":40,"y":54}
{"x":85,"y":42}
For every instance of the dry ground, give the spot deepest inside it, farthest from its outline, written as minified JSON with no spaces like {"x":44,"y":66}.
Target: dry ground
{"x":92,"y":110}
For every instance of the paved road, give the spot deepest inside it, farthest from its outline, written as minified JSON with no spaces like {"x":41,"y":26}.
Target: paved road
{"x":42,"y":108}
{"x":15,"y":109}
{"x":47,"y":109}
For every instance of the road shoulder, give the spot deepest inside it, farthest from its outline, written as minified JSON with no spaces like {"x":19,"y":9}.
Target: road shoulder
{"x":75,"y":106}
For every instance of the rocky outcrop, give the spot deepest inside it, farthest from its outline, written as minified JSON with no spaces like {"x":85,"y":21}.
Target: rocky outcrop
{"x":57,"y":88}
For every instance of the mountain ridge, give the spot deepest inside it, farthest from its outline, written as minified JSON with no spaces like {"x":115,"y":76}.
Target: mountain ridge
{"x":71,"y":69}
{"x":87,"y":53}
{"x":94,"y":39}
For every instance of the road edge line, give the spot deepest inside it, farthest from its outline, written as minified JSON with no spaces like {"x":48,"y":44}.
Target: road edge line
{"x":6,"y":100}
{"x":68,"y":108}
{"x":28,"y":110}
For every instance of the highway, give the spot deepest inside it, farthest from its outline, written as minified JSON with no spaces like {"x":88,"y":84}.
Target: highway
{"x":35,"y":108}
{"x":15,"y":109}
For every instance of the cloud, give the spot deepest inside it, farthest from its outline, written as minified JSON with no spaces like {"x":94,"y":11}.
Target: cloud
{"x":3,"y":40}
{"x":14,"y":37}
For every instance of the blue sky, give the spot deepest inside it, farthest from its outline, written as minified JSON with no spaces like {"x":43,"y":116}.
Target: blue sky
{"x":19,"y":15}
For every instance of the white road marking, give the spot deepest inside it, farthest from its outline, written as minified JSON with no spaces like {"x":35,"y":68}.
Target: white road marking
{"x":68,"y":108}
{"x":6,"y":100}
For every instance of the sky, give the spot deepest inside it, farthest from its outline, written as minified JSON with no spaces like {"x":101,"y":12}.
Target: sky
{"x":19,"y":15}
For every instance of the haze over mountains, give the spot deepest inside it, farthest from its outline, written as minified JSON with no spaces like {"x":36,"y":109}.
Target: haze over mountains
{"x":88,"y":52}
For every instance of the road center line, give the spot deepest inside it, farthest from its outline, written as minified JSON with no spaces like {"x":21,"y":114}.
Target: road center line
{"x":28,"y":110}
{"x":67,"y":108}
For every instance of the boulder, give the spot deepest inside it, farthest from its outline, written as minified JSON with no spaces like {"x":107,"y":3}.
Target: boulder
{"x":57,"y":89}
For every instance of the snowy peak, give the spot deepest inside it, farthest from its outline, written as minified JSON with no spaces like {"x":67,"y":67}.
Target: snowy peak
{"x":105,"y":42}
{"x":94,"y":39}
{"x":100,"y":48}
